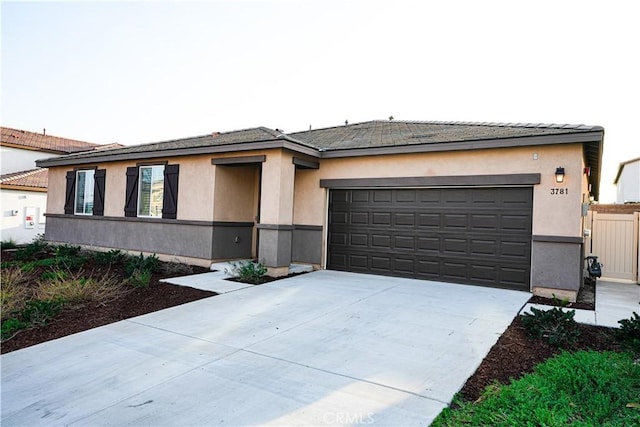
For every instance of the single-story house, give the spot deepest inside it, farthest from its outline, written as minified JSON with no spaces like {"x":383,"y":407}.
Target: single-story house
{"x":490,"y":204}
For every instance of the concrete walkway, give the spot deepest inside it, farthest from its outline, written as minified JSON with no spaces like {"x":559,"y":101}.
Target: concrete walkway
{"x":614,"y":301}
{"x":324,"y":348}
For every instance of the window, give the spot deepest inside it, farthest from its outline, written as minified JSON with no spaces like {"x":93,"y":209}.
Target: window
{"x":151,"y":185}
{"x":152,"y":191}
{"x":84,"y":192}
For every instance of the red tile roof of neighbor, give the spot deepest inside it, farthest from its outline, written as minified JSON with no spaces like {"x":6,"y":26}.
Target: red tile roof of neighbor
{"x":35,"y":178}
{"x":41,"y":141}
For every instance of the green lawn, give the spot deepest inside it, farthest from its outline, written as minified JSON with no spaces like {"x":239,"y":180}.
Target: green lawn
{"x":585,"y":388}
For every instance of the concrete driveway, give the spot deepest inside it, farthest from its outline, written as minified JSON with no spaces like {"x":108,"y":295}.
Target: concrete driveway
{"x":325,"y":348}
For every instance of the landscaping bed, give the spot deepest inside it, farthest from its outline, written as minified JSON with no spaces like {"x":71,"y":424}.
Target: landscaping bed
{"x":46,"y":277}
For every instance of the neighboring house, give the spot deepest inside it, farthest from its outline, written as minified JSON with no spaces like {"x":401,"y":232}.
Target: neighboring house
{"x":628,"y":182}
{"x":23,"y":187}
{"x":480,"y":203}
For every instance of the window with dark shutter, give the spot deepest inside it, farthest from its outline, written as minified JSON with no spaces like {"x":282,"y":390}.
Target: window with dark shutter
{"x":70,"y":195}
{"x":170,"y":197}
{"x":131,"y":193}
{"x":98,"y":191}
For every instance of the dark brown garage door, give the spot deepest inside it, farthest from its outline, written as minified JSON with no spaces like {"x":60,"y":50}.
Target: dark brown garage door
{"x":479,"y":236}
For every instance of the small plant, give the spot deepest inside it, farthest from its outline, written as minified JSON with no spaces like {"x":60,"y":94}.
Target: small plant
{"x":556,"y":326}
{"x":13,"y":294}
{"x":10,"y":327}
{"x":66,"y":251}
{"x":141,"y":279}
{"x":37,"y":249}
{"x":629,"y":333}
{"x":141,"y":263}
{"x":8,"y":244}
{"x":112,"y":257}
{"x":248,"y":271}
{"x":38,"y":312}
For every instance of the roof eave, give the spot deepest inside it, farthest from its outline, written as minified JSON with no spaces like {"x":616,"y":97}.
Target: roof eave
{"x":244,"y":146}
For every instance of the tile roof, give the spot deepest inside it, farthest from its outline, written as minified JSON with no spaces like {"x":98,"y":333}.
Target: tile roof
{"x":43,"y":142}
{"x":37,"y":178}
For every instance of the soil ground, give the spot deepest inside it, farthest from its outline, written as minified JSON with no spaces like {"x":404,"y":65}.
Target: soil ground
{"x":514,"y":355}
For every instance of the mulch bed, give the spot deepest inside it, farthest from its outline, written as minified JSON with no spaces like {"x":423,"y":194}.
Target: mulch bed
{"x":516,"y":354}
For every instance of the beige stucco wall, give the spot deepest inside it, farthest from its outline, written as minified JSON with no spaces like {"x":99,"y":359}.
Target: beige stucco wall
{"x":278,"y":173}
{"x":235,"y":196}
{"x":554,"y":214}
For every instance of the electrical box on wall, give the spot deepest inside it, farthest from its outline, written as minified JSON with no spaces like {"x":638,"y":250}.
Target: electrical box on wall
{"x":30,"y":217}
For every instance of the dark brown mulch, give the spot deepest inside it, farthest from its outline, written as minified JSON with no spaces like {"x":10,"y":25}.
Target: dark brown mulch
{"x":586,"y":299}
{"x":516,"y":354}
{"x":135,"y":303}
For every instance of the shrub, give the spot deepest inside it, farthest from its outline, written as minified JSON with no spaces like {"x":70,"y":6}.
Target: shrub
{"x":54,"y":275}
{"x":140,"y":279}
{"x":141,"y":263}
{"x":629,"y":333}
{"x":248,"y":271}
{"x":114,"y":256}
{"x":38,"y":312}
{"x":10,"y":327}
{"x":556,"y":326}
{"x":35,"y":250}
{"x":8,"y":244}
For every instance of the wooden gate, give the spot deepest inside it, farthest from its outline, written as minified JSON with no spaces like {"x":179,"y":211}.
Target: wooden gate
{"x":615,"y":239}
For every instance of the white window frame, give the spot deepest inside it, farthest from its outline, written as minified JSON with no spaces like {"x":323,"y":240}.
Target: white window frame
{"x":87,"y":193}
{"x":157,"y":170}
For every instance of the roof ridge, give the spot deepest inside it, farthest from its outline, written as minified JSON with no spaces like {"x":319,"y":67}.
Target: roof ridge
{"x":499,"y":124}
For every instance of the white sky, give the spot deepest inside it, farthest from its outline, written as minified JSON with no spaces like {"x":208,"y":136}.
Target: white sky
{"x":136,"y":72}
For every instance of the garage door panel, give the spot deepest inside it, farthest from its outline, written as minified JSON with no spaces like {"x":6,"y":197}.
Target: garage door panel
{"x":454,"y":246}
{"x":484,"y":222}
{"x":358,"y":196}
{"x":405,"y":242}
{"x":405,"y":196}
{"x":404,"y":265}
{"x":360,"y":218}
{"x":382,"y":195}
{"x":381,"y":263}
{"x":462,"y":235}
{"x":381,"y":218}
{"x":404,"y":219}
{"x":454,"y":270}
{"x":429,"y":220}
{"x":484,"y":273}
{"x":359,"y":240}
{"x":429,"y":244}
{"x":484,"y":247}
{"x":358,"y":261}
{"x":519,"y":223}
{"x":381,"y":241}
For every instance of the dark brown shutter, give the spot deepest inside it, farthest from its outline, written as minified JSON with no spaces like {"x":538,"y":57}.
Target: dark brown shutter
{"x":98,"y":191}
{"x":70,"y":195}
{"x":131,"y":194}
{"x":170,"y":197}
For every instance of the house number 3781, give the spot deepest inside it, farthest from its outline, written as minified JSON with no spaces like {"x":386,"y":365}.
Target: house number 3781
{"x":559,"y":191}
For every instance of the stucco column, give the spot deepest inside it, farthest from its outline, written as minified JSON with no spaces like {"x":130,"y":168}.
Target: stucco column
{"x":275,"y":229}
